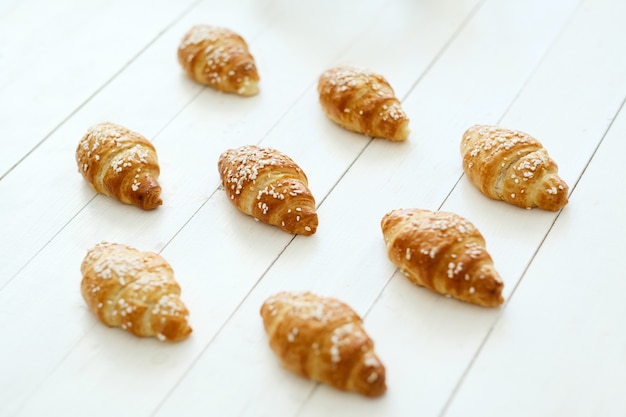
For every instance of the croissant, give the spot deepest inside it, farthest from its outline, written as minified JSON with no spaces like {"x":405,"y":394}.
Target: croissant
{"x":219,"y":57}
{"x":270,"y":186}
{"x":322,"y":339}
{"x":443,"y":252}
{"x":120,"y":163}
{"x":363,"y":102}
{"x":134,"y":290}
{"x":512,"y":166}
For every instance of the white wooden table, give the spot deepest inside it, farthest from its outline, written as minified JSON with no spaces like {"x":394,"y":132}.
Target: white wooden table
{"x":555,"y":69}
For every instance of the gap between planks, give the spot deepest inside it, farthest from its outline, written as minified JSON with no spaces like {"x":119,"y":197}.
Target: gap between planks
{"x":102,"y":87}
{"x":470,"y":365}
{"x":426,"y":70}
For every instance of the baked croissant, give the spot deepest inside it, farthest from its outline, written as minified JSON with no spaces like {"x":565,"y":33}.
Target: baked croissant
{"x":512,"y":166}
{"x":219,"y":57}
{"x":322,"y":339}
{"x":363,"y":102}
{"x":270,"y":186}
{"x":134,"y":290}
{"x":443,"y":252}
{"x":120,"y":163}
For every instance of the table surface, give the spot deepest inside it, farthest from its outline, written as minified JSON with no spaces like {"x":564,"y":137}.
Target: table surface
{"x":553,"y":69}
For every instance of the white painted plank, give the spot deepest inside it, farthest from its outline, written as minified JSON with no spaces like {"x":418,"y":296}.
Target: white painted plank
{"x":31,"y":29}
{"x":26,"y":365}
{"x":570,"y":126}
{"x":193,"y":175}
{"x":559,"y":348}
{"x":54,"y":348}
{"x":145,"y":98}
{"x":8,"y":7}
{"x":557,"y":344}
{"x":346,"y":257}
{"x":59,"y":70}
{"x":445,"y":333}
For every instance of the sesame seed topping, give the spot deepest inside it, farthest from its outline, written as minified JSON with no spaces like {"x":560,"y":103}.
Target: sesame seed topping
{"x":143,"y":273}
{"x":352,"y":80}
{"x":243,"y":167}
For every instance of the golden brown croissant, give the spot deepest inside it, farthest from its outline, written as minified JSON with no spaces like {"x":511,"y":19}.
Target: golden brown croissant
{"x":219,"y":57}
{"x":270,"y":186}
{"x":134,"y":290}
{"x":363,"y":102}
{"x":512,"y":166}
{"x":322,"y":339}
{"x":120,"y":163}
{"x":444,"y":252}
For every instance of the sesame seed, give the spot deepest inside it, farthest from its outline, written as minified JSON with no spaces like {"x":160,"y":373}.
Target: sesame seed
{"x":372,"y":377}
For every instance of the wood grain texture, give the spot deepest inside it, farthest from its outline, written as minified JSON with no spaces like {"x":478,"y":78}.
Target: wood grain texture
{"x":541,"y":317}
{"x":552,"y":69}
{"x":61,"y":73}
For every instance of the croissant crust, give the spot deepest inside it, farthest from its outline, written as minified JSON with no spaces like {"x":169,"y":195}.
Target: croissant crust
{"x":134,"y":290}
{"x":120,"y":163}
{"x":363,"y":102}
{"x":219,"y":57}
{"x":268,"y":185}
{"x":443,"y":252}
{"x":512,"y":166}
{"x":322,"y":338}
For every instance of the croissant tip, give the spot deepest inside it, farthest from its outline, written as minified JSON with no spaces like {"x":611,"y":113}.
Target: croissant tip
{"x":308,"y":224}
{"x":152,"y":205}
{"x":252,"y":89}
{"x":402,"y":134}
{"x":178,"y":337}
{"x":152,"y":198}
{"x":176,"y":328}
{"x":553,"y":197}
{"x":374,"y":383}
{"x":491,"y":301}
{"x":377,"y":392}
